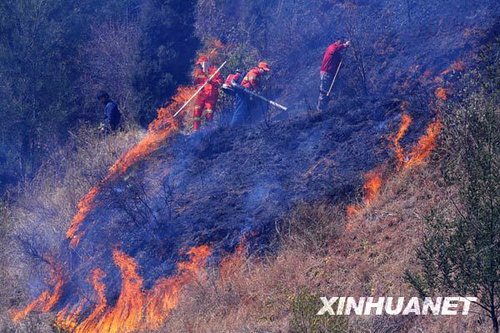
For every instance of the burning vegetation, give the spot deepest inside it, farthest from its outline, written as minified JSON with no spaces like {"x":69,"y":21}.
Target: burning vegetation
{"x":135,"y":308}
{"x":418,"y":154}
{"x":138,"y":307}
{"x":47,"y":300}
{"x":159,"y":131}
{"x":115,"y":287}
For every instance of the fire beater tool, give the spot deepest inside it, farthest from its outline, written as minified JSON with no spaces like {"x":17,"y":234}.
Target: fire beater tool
{"x":333,"y":81}
{"x":200,"y":88}
{"x":273,"y":103}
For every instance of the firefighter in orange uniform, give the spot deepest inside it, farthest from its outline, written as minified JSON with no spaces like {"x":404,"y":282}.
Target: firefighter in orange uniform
{"x":244,"y":104}
{"x":207,"y":98}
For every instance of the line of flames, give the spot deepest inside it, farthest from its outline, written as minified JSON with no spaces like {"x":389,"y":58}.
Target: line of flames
{"x":135,"y":308}
{"x":419,"y":153}
{"x":158,"y":131}
{"x":47,"y":300}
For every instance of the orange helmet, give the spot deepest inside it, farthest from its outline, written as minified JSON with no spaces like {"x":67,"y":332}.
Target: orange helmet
{"x":202,"y":58}
{"x":264,"y":66}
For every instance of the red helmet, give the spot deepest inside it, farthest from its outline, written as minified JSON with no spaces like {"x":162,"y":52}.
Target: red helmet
{"x":201,"y":59}
{"x":264,"y":66}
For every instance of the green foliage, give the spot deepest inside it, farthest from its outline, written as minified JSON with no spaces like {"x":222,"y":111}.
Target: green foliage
{"x":304,"y":318}
{"x":461,"y":253}
{"x":55,"y":55}
{"x":39,"y":67}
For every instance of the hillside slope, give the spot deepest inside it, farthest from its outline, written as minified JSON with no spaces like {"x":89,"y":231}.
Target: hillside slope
{"x":187,"y":201}
{"x":225,"y":184}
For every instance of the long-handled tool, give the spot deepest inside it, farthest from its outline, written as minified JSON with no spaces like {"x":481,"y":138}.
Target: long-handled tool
{"x":273,"y":103}
{"x":333,"y":81}
{"x":200,"y":88}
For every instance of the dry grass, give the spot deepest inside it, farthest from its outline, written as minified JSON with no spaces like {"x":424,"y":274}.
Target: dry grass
{"x":368,"y":259}
{"x":35,"y":224}
{"x":277,"y":293}
{"x":322,"y":253}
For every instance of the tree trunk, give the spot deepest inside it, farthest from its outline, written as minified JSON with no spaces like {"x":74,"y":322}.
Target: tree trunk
{"x":494,"y":321}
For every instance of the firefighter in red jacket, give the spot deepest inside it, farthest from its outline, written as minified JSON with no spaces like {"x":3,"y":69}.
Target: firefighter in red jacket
{"x":251,"y":81}
{"x":207,"y":98}
{"x":329,"y":66}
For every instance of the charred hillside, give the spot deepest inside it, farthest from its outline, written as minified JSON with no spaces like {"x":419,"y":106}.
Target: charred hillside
{"x":170,"y":203}
{"x":217,"y":187}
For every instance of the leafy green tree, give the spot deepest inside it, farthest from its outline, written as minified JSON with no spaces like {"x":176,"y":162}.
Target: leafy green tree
{"x":461,"y":254}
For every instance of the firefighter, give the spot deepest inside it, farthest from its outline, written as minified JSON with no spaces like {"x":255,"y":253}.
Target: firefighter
{"x":329,"y":66}
{"x":112,"y":114}
{"x":244,"y":102}
{"x":232,"y":81}
{"x":207,"y":98}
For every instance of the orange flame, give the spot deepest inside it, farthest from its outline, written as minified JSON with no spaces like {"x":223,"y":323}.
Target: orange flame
{"x":166,"y":293}
{"x":351,"y":211}
{"x":158,"y":131}
{"x":441,"y":93}
{"x":84,"y":207}
{"x":426,"y":143}
{"x":68,"y":320}
{"x":373,"y":183}
{"x":46,"y":300}
{"x":371,"y":188}
{"x":136,"y":308}
{"x":457,"y":66}
{"x":419,"y":153}
{"x":403,"y":128}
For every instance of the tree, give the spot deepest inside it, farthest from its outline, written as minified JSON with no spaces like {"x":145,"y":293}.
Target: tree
{"x":167,"y":47}
{"x":109,"y":62}
{"x":40,"y":72}
{"x":461,"y":253}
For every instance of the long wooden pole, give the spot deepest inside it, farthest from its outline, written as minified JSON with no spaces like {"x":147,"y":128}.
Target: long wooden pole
{"x":333,"y":81}
{"x":200,"y":88}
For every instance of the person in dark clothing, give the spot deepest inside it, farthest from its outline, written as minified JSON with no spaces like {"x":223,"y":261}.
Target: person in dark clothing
{"x":112,"y":114}
{"x":329,"y":66}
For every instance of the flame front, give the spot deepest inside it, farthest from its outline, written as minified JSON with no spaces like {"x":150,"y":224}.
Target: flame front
{"x":46,"y":301}
{"x":372,"y":184}
{"x":441,"y":93}
{"x":136,"y":308}
{"x":158,"y":131}
{"x":418,"y":153}
{"x":70,"y":321}
{"x":425,"y":145}
{"x":403,"y":128}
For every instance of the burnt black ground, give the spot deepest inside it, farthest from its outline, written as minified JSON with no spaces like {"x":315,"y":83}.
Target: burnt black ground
{"x":221,"y":184}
